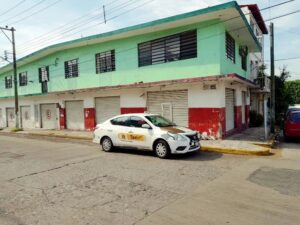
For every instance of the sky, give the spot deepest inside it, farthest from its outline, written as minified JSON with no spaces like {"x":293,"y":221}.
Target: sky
{"x":40,"y":23}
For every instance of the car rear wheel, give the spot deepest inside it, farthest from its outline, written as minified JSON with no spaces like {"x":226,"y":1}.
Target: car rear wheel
{"x":161,"y":149}
{"x":107,"y":144}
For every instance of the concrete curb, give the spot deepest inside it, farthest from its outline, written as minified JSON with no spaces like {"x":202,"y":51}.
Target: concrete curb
{"x":263,"y":152}
{"x":205,"y":148}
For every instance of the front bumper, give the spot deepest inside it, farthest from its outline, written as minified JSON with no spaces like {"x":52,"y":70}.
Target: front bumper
{"x":178,"y":147}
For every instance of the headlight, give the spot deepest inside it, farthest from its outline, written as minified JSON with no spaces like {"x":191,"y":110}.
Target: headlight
{"x":176,"y":137}
{"x":199,"y":135}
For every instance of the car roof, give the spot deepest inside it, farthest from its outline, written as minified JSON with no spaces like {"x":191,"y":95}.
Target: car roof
{"x":138,"y":114}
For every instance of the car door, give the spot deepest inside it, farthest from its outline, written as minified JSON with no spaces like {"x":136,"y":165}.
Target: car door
{"x":118,"y":131}
{"x":140,"y":137}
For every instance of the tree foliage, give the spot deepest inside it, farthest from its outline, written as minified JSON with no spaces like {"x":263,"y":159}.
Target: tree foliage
{"x":292,"y":92}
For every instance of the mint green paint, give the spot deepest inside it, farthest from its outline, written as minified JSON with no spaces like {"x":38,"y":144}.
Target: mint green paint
{"x":210,"y":61}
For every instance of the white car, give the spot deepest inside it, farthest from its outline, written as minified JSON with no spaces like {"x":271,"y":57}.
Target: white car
{"x":146,"y":131}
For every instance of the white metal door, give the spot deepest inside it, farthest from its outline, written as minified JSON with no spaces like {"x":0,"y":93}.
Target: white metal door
{"x":10,"y":117}
{"x":243,"y":107}
{"x":106,"y":108}
{"x":26,"y":121}
{"x":229,"y":99}
{"x":75,"y":115}
{"x":49,"y":116}
{"x":171,"y":104}
{"x":1,"y":119}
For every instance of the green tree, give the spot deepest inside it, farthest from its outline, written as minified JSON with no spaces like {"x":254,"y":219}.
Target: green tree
{"x":281,"y":97}
{"x":292,"y":91}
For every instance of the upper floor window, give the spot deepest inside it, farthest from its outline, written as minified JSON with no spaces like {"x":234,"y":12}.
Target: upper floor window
{"x":243,"y":51}
{"x":230,"y":47}
{"x":105,"y":61}
{"x":8,"y":82}
{"x":23,"y":79}
{"x":44,"y":74}
{"x":71,"y":68}
{"x":167,"y":49}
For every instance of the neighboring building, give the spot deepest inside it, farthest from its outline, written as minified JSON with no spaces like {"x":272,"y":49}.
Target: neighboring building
{"x":193,"y":68}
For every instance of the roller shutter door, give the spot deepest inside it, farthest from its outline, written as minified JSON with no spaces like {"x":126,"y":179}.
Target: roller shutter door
{"x":10,"y":117}
{"x":106,"y":108}
{"x":26,"y":121}
{"x":75,"y":115}
{"x":1,"y":119}
{"x":170,"y":104}
{"x":229,"y":109}
{"x":49,"y":116}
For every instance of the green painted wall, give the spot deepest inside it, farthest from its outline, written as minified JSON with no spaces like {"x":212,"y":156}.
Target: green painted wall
{"x":211,"y":61}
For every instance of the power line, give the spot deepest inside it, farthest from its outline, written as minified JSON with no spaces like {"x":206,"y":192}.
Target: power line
{"x":76,"y":26}
{"x":13,"y":7}
{"x":236,"y":17}
{"x":36,"y":12}
{"x":24,"y":11}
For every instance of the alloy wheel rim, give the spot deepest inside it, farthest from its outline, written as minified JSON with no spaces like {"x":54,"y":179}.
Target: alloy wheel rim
{"x":106,"y":144}
{"x":161,"y":150}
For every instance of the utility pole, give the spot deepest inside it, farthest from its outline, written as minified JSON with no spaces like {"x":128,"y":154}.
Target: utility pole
{"x":272,"y":78}
{"x":12,"y":40}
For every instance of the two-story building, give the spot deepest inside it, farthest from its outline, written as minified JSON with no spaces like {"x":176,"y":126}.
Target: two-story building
{"x":193,"y":68}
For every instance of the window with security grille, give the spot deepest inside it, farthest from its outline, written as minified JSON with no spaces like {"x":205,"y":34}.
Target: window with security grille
{"x":44,"y":74}
{"x":230,"y":47}
{"x":167,"y":49}
{"x":8,"y":82}
{"x":105,"y":61}
{"x":23,"y":79}
{"x":71,"y":68}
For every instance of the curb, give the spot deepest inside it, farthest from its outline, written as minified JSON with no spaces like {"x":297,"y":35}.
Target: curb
{"x":264,"y":152}
{"x":47,"y":135}
{"x":204,"y":148}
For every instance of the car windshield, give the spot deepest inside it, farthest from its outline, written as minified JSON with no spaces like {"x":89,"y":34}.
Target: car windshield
{"x":295,"y":117}
{"x":160,"y":121}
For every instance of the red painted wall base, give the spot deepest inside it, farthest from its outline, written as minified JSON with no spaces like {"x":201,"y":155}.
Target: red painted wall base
{"x":209,"y":120}
{"x":62,"y":118}
{"x":238,"y":117}
{"x":133,"y":110}
{"x":89,"y":119}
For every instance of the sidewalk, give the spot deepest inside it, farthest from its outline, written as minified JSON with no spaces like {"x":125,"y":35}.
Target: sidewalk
{"x":248,"y":142}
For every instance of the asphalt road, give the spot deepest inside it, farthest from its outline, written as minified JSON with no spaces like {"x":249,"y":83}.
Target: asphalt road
{"x":59,"y":182}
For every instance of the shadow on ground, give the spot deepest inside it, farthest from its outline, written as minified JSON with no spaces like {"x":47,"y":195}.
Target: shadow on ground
{"x":192,"y":156}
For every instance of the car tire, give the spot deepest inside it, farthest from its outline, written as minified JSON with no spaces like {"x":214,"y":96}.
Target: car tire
{"x":162,"y":149}
{"x":107,"y":144}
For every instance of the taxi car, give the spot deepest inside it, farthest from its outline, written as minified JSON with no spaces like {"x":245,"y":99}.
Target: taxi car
{"x":146,"y":131}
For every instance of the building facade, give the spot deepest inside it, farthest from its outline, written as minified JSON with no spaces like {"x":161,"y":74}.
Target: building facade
{"x":193,"y":68}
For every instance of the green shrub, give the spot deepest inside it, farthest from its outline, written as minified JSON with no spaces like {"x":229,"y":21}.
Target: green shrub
{"x":14,"y":130}
{"x":256,"y":119}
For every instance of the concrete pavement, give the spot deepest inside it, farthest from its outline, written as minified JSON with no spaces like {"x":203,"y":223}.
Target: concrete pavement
{"x":237,"y":144}
{"x":262,"y":191}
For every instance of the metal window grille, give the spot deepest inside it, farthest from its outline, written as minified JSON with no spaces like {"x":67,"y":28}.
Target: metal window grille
{"x":8,"y":82}
{"x":71,"y":68}
{"x":23,"y":79}
{"x":230,"y":47}
{"x":167,"y":49}
{"x":44,"y":74}
{"x":105,"y":61}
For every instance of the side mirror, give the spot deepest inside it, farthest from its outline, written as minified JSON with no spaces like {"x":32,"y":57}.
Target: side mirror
{"x":146,"y":126}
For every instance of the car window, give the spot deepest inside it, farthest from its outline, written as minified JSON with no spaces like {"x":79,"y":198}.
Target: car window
{"x":295,"y":117}
{"x":160,"y":121}
{"x":136,"y":121}
{"x":121,"y":121}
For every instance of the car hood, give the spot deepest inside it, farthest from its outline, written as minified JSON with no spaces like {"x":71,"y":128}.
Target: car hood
{"x":177,"y":129}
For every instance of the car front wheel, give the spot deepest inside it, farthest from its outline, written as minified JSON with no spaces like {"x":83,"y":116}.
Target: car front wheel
{"x":107,"y":144}
{"x":161,"y":149}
